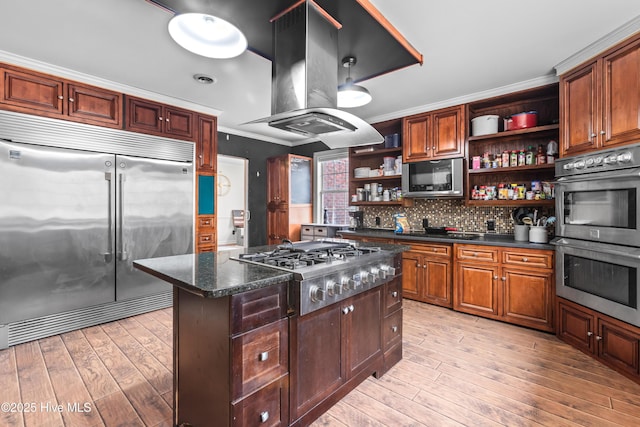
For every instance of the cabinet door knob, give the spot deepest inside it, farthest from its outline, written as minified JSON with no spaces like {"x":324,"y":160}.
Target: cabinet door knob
{"x":434,"y":147}
{"x":589,"y":333}
{"x":71,"y":100}
{"x":60,"y":97}
{"x":598,"y":337}
{"x":394,"y":294}
{"x":593,"y":135}
{"x":504,"y":279}
{"x":475,"y":254}
{"x":602,"y":132}
{"x":167,"y":120}
{"x":351,"y":307}
{"x":525,"y":259}
{"x":495,"y":277}
{"x":160,"y":118}
{"x":263,"y":356}
{"x":264,"y":416}
{"x":345,"y":310}
{"x":394,"y":329}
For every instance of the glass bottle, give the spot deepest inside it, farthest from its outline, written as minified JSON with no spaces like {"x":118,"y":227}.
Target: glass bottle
{"x":540,"y":156}
{"x":529,"y":159}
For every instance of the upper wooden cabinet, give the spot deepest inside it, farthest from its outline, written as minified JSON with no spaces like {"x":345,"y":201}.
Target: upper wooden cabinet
{"x":159,"y":119}
{"x":434,"y":135}
{"x":206,"y":144}
{"x":32,"y":92}
{"x":600,"y":101}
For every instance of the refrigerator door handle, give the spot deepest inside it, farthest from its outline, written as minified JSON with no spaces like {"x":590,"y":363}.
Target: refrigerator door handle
{"x":108,"y":256}
{"x":122,"y":255}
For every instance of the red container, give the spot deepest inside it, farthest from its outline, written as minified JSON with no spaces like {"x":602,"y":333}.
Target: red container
{"x":525,"y":120}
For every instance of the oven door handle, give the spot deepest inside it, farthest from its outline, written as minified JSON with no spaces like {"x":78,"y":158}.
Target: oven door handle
{"x":597,"y":176}
{"x":620,"y":251}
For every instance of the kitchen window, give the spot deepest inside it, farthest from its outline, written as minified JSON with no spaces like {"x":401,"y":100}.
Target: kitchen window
{"x":331,"y":198}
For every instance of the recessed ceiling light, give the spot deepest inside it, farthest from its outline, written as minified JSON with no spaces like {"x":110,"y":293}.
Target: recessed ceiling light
{"x":204,"y":79}
{"x":207,"y":35}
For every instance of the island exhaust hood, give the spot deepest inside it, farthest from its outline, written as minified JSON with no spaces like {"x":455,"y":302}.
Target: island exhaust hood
{"x":305,"y":80}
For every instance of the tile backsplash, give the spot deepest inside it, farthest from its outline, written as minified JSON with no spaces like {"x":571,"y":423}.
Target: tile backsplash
{"x":446,"y":213}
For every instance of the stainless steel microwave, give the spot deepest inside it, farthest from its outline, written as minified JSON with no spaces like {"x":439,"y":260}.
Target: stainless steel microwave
{"x":433,"y":178}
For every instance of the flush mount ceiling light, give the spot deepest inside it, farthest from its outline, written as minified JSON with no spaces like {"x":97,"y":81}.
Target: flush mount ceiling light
{"x":351,"y":95}
{"x":207,"y":35}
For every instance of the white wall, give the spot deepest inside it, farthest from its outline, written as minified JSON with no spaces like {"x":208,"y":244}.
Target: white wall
{"x":232,"y":194}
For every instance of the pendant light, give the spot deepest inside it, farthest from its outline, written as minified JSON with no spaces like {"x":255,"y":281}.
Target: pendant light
{"x":207,"y":35}
{"x":351,"y":95}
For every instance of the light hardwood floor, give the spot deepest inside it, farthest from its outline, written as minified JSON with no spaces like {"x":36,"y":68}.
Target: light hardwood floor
{"x":457,"y":370}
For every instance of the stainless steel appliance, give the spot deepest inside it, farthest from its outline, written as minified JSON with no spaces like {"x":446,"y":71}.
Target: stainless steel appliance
{"x":80,"y":203}
{"x":433,"y":178}
{"x":598,"y":243}
{"x":327,"y":272}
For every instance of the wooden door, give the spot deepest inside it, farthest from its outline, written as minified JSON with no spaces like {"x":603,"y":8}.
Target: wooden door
{"x":576,"y":326}
{"x":362,"y":336}
{"x":178,"y":123}
{"x":206,"y":144}
{"x":618,"y":345}
{"x":476,"y":289}
{"x":144,"y":116}
{"x":412,"y":274}
{"x":527,"y":297}
{"x":94,"y":105}
{"x":579,"y":110}
{"x":437,"y":282}
{"x":448,"y":133}
{"x":416,"y":131}
{"x":621,"y":96}
{"x":316,"y":358}
{"x":32,"y":91}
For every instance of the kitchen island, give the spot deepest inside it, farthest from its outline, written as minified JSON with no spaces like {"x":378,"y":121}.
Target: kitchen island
{"x":245,"y":355}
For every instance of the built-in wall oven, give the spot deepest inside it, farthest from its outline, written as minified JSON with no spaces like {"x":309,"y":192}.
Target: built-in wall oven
{"x":598,"y":220}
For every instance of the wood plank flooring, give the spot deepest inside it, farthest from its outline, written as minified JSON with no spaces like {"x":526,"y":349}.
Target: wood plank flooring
{"x":458,"y":370}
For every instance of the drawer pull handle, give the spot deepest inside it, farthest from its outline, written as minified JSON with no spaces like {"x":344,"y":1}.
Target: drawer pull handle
{"x":263,"y":356}
{"x":475,"y":254}
{"x":264,"y":416}
{"x":394,"y":294}
{"x":394,"y":328}
{"x":525,"y":259}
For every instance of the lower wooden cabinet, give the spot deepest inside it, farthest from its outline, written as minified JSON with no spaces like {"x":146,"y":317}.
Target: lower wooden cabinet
{"x":615,"y":343}
{"x":509,"y":284}
{"x":427,"y":274}
{"x":205,"y":233}
{"x":392,"y":325}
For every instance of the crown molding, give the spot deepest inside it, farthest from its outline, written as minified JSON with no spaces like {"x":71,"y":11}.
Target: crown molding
{"x":465,"y":99}
{"x":599,"y":46}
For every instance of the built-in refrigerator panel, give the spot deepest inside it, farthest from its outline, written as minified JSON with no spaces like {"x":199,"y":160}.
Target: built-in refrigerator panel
{"x":57,"y":230}
{"x":155,"y":218}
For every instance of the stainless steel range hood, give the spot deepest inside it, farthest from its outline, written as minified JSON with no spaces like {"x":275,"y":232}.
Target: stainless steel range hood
{"x":305,"y":81}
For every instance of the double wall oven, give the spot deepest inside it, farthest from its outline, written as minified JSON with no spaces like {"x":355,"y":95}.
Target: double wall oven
{"x":598,"y":229}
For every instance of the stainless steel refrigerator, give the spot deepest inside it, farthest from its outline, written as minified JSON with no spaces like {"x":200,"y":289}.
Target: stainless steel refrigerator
{"x":75,"y":212}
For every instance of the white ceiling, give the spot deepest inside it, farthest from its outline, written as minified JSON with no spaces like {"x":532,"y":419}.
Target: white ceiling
{"x":471,"y":49}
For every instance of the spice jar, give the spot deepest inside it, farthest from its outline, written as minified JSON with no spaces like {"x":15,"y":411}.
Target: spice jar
{"x":513,"y":162}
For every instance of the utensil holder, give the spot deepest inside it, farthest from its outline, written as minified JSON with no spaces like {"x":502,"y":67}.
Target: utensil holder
{"x":538,"y":234}
{"x":521,"y":232}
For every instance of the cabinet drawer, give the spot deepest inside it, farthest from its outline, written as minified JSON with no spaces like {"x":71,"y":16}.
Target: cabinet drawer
{"x":259,"y":357}
{"x":205,"y":222}
{"x":320,"y":231}
{"x":306,"y":230}
{"x":436,"y":250}
{"x":206,"y":238}
{"x":540,"y":259}
{"x":393,"y":295}
{"x":256,"y":308}
{"x":392,"y":330}
{"x":480,"y":253}
{"x":265,"y":408}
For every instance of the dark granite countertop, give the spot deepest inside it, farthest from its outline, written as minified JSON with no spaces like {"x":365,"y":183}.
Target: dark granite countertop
{"x":475,"y":239}
{"x":212,"y":274}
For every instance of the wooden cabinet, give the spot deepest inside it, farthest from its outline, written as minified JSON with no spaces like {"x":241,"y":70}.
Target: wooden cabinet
{"x":427,"y":274}
{"x":615,"y":343}
{"x":231,"y":358}
{"x":158,"y":119}
{"x":509,"y":284}
{"x":543,"y":100}
{"x":206,"y":144}
{"x":331,"y":347}
{"x":31,"y":92}
{"x":434,"y":135}
{"x":289,"y":201}
{"x":392,"y":324}
{"x":600,"y":101}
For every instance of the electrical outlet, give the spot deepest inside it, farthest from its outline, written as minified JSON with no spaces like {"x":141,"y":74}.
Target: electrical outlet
{"x":491,"y":225}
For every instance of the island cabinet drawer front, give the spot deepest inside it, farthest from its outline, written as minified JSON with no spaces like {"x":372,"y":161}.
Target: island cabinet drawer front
{"x":481,"y":253}
{"x":256,"y":308}
{"x":259,"y":357}
{"x":393,"y":295}
{"x":265,"y":408}
{"x":392,"y":332}
{"x":439,"y":250}
{"x":539,"y":259}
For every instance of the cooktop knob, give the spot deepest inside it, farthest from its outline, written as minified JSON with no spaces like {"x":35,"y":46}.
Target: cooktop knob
{"x":316,"y":293}
{"x":597,"y":160}
{"x":334,"y":288}
{"x":567,"y":166}
{"x":611,"y":160}
{"x":590,"y":162}
{"x":625,"y":157}
{"x":391,"y":271}
{"x":579,"y":164}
